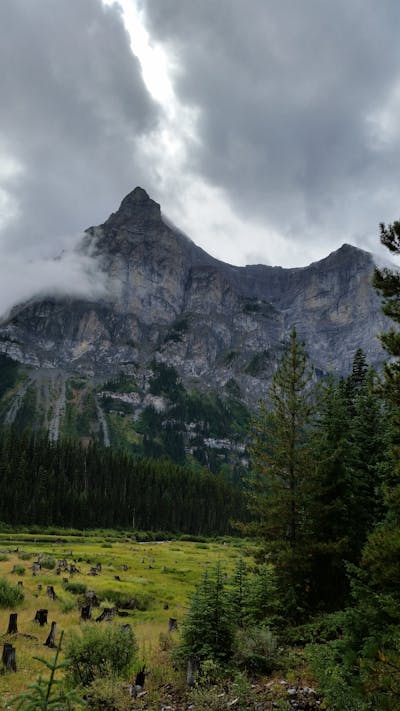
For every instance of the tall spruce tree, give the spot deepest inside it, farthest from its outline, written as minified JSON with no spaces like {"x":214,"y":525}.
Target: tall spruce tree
{"x":387,"y":283}
{"x":281,"y":462}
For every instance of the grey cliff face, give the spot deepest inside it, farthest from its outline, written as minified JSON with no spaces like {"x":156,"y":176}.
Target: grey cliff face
{"x":169,"y":300}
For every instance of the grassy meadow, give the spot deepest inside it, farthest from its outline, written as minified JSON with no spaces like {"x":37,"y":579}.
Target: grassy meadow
{"x":160,"y":576}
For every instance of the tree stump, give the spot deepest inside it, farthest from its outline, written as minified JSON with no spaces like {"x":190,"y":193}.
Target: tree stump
{"x":98,"y":567}
{"x":141,"y":677}
{"x":51,"y":592}
{"x":51,"y":639}
{"x":116,"y":577}
{"x":86,"y":612}
{"x":8,"y":658}
{"x":20,"y":584}
{"x":191,"y":670}
{"x":172,"y":624}
{"x":12,"y":624}
{"x":106,"y":615}
{"x":91,"y":597}
{"x":40,"y":588}
{"x":41,"y":617}
{"x":92,"y":571}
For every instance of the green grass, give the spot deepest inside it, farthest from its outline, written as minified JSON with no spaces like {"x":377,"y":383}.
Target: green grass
{"x":161,"y":577}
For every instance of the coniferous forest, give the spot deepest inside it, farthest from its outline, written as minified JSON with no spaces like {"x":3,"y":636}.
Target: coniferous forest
{"x":63,"y":484}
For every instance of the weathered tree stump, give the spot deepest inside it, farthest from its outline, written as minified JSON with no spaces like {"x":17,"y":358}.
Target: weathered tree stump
{"x":40,"y":588}
{"x":92,"y":598}
{"x":191,"y":670}
{"x":107,"y":614}
{"x":20,"y":584}
{"x":41,"y":617}
{"x":131,"y":604}
{"x":86,"y":612}
{"x":51,"y":592}
{"x":172,"y":624}
{"x":92,"y":571}
{"x":12,"y":624}
{"x":36,"y":568}
{"x":65,"y":581}
{"x":141,"y":677}
{"x":166,"y":606}
{"x":98,"y":567}
{"x":116,"y":577}
{"x":9,"y":658}
{"x":124,"y":568}
{"x":51,"y":639}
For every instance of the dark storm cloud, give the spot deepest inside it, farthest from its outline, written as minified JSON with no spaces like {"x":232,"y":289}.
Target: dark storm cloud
{"x":73,"y":111}
{"x":297,"y":106}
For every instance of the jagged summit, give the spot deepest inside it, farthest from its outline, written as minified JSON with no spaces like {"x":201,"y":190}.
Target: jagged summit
{"x":167,"y":299}
{"x":137,"y":209}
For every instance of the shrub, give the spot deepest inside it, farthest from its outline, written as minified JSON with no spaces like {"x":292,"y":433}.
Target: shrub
{"x":236,"y":693}
{"x":108,"y":695}
{"x":256,"y":650}
{"x":76,"y":588}
{"x":18,"y":569}
{"x":24,"y":556}
{"x":48,"y":562}
{"x":3,"y":557}
{"x":124,"y":600}
{"x":10,"y":595}
{"x":99,"y":652}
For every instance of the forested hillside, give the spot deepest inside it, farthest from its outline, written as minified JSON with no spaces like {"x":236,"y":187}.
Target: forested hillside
{"x":61,"y":483}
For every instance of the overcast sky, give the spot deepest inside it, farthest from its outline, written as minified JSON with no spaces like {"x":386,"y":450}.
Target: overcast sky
{"x":269,"y":130}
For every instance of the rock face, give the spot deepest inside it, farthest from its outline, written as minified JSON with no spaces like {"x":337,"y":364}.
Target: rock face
{"x":217,"y":324}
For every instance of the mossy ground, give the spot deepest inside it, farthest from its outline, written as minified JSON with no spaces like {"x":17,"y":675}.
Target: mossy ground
{"x":161,"y":576}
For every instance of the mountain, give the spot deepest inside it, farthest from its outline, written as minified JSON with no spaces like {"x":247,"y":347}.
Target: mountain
{"x":174,"y":319}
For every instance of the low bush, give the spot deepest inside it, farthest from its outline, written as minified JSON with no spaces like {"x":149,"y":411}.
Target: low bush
{"x":76,"y":588}
{"x":48,"y":562}
{"x":139,"y":601}
{"x":108,"y":695}
{"x":24,"y":556}
{"x":18,"y":569}
{"x":256,"y":650}
{"x":10,"y":595}
{"x":99,"y":652}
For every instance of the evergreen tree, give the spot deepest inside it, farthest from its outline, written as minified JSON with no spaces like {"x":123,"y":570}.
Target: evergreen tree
{"x":208,"y":629}
{"x":281,"y":460}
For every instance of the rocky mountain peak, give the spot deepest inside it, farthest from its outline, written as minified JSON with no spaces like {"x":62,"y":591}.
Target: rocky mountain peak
{"x":137,"y":211}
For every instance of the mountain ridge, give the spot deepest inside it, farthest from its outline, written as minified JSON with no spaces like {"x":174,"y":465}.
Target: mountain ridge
{"x":156,"y":275}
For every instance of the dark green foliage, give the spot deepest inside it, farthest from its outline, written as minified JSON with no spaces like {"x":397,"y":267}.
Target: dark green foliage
{"x":63,"y":484}
{"x":165,"y":381}
{"x":280,"y":487}
{"x":8,"y":373}
{"x":120,"y":384}
{"x":99,"y":652}
{"x":48,"y":562}
{"x":10,"y":595}
{"x":208,"y":628}
{"x":75,"y":588}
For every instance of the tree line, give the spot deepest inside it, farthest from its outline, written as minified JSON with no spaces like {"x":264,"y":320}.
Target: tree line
{"x":64,"y":484}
